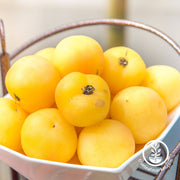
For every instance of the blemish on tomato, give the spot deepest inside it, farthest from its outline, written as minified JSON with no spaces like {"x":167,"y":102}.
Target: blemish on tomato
{"x":16,"y":97}
{"x":100,"y":103}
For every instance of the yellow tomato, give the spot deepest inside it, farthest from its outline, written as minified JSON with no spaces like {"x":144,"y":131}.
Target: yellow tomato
{"x":165,"y":80}
{"x":78,"y":54}
{"x":106,"y":144}
{"x":46,"y":135}
{"x":123,"y":67}
{"x":83,"y":99}
{"x":12,"y":117}
{"x":31,"y":81}
{"x":142,"y":110}
{"x":46,"y":53}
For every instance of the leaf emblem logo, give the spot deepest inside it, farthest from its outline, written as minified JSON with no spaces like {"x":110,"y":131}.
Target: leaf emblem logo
{"x":155,"y":153}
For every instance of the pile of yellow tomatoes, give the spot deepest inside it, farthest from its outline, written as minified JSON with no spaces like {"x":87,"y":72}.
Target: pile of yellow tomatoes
{"x":75,"y":103}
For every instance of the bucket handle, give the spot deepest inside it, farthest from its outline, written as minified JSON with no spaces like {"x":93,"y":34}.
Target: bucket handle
{"x":119,"y":22}
{"x":4,"y":57}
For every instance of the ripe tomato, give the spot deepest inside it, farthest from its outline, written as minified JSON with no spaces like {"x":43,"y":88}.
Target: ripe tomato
{"x":83,"y":99}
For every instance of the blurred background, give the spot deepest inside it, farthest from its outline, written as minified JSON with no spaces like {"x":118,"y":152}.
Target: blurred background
{"x":26,"y":19}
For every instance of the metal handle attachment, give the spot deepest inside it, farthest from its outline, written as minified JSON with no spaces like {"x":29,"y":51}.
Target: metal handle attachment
{"x":4,"y":57}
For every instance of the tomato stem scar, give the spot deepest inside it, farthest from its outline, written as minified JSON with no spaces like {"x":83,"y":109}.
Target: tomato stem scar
{"x":89,"y":89}
{"x":123,"y":61}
